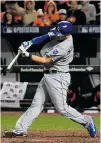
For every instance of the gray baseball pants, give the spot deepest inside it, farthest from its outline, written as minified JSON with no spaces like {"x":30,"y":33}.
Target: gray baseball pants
{"x":54,"y":85}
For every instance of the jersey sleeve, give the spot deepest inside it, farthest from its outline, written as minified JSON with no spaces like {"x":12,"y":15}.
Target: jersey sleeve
{"x":56,"y":53}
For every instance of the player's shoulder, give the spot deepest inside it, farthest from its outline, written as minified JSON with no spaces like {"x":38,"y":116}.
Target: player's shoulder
{"x":68,"y":42}
{"x":65,"y":43}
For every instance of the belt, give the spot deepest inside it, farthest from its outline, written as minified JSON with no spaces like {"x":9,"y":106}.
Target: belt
{"x":53,"y":71}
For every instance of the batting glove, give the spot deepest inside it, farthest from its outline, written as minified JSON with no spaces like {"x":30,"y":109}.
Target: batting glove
{"x":23,"y":51}
{"x":51,"y":34}
{"x":26,"y":44}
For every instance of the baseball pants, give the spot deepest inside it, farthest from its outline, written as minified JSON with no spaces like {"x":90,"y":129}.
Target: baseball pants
{"x":55,"y":86}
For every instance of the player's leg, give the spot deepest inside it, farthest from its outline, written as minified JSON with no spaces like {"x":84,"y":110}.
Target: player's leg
{"x":33,"y":111}
{"x":57,"y":85}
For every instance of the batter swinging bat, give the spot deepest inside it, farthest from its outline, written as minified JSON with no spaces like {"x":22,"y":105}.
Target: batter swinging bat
{"x":13,"y":61}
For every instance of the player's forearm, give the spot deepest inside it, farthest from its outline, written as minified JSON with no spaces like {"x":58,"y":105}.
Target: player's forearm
{"x":42,"y":60}
{"x":38,"y":59}
{"x":39,"y":40}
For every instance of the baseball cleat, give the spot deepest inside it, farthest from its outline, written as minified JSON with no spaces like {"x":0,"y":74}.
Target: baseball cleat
{"x":9,"y":134}
{"x":92,"y":129}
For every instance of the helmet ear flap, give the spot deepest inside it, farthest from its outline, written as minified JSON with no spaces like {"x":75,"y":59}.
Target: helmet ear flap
{"x":59,"y":29}
{"x":56,"y":31}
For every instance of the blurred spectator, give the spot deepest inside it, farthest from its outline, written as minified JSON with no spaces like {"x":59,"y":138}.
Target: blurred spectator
{"x":90,"y":11}
{"x":62,"y":4}
{"x":51,"y":15}
{"x":17,"y":17}
{"x":62,"y":16}
{"x":75,"y":15}
{"x":29,"y":14}
{"x":8,"y":7}
{"x":96,"y":4}
{"x":45,"y":5}
{"x":29,"y":5}
{"x":9,"y":19}
{"x":3,"y":1}
{"x":40,"y":18}
{"x":9,"y":2}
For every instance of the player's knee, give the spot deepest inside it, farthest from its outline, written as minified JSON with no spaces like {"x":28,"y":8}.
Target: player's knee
{"x":61,"y":110}
{"x":36,"y":103}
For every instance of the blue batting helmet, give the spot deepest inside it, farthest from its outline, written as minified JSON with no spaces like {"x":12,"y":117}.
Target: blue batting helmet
{"x":62,"y":28}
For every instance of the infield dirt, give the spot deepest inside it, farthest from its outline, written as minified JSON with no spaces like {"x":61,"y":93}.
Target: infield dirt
{"x":54,"y":137}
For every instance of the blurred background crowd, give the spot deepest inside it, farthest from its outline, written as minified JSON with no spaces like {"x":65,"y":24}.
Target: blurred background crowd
{"x":47,"y":13}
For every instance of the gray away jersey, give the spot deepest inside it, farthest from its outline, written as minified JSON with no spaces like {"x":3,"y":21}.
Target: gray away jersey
{"x":60,"y":52}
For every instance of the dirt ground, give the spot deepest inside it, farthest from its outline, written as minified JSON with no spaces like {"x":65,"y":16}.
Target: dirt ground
{"x":54,"y":137}
{"x":69,"y":136}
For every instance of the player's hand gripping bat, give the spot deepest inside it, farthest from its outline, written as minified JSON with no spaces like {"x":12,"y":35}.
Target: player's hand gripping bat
{"x":14,"y":60}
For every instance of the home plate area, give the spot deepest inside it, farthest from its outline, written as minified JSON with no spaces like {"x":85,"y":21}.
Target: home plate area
{"x":72,"y":136}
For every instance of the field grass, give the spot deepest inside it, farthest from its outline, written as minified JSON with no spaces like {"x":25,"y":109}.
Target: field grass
{"x":45,"y":122}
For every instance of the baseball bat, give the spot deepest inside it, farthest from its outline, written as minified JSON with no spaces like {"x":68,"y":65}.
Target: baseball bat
{"x":13,"y":61}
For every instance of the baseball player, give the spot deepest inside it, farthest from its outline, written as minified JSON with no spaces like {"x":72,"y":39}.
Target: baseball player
{"x":55,"y":56}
